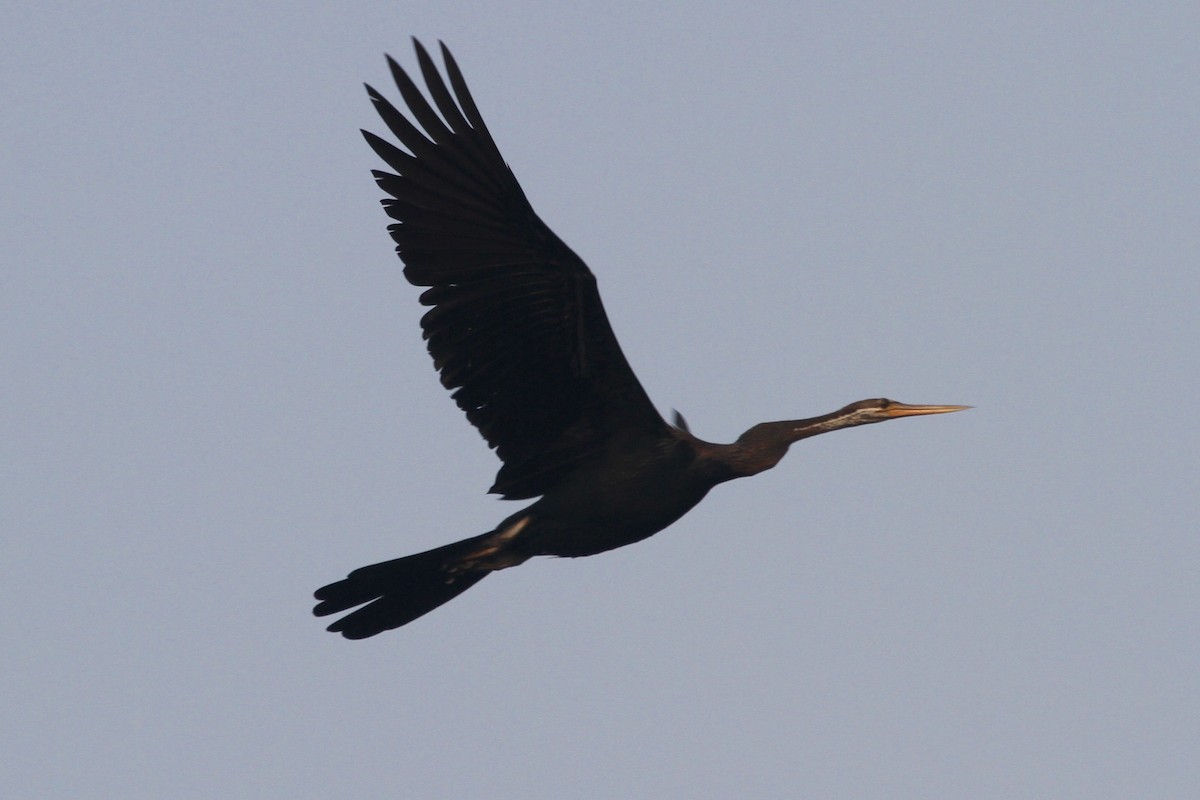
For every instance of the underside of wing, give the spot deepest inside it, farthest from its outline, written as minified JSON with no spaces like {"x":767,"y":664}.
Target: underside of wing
{"x":516,"y":329}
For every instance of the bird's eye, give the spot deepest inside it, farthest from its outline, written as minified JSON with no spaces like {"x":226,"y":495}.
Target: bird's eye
{"x":884,"y":403}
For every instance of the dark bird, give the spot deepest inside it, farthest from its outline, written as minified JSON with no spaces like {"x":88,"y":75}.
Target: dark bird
{"x":517,"y":330}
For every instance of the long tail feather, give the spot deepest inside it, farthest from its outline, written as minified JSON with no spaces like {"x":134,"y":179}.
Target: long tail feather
{"x":397,"y":591}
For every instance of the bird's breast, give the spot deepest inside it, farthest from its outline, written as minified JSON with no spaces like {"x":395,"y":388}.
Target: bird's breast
{"x":600,"y":510}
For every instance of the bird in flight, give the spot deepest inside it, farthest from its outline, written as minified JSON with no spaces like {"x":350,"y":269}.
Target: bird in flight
{"x":517,"y":332}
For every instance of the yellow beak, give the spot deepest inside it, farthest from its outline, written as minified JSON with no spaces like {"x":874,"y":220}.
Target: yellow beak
{"x":905,"y":410}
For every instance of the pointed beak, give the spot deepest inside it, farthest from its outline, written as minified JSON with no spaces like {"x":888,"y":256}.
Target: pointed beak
{"x":905,"y":410}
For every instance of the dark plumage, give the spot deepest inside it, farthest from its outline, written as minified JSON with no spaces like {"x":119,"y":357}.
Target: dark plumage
{"x":519,"y":335}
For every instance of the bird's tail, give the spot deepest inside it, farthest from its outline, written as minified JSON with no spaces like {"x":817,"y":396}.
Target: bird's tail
{"x":398,"y":591}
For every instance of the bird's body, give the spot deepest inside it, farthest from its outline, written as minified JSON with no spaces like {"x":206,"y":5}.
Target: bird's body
{"x":519,"y":334}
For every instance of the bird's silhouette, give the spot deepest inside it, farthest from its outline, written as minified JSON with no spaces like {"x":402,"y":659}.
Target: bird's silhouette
{"x":518,"y":333}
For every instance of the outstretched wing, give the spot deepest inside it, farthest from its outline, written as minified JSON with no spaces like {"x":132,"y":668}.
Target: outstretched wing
{"x":516,"y":327}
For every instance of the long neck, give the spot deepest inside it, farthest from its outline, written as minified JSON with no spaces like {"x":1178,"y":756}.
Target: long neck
{"x":762,"y":447}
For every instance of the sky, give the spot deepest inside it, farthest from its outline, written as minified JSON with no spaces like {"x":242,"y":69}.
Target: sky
{"x":217,"y":399}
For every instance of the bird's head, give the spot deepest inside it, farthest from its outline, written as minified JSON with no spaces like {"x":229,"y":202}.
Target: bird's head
{"x":865,"y":412}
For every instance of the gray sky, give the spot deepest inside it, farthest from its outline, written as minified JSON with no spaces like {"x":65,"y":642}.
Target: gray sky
{"x":217,"y":399}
